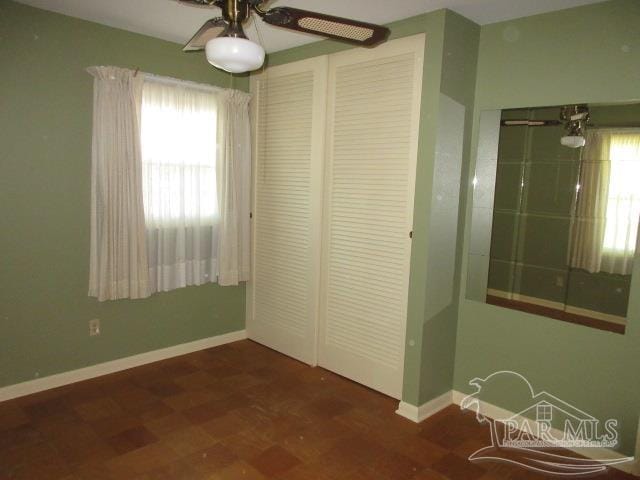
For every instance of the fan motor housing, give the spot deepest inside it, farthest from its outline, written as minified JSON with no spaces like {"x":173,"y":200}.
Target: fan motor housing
{"x":236,"y":11}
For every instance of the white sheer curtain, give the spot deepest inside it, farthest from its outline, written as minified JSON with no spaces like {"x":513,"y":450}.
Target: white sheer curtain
{"x":179,"y":154}
{"x":605,"y":226}
{"x":118,"y":257}
{"x":196,"y":159}
{"x":234,"y":184}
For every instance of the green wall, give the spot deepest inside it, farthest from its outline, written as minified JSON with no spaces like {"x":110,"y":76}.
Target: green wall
{"x":589,"y":54}
{"x":449,"y":67}
{"x":438,"y":347}
{"x":534,"y":203}
{"x":45,"y":133}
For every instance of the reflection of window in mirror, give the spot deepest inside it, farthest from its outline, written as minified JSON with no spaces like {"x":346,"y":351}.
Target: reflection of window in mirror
{"x":623,"y":203}
{"x":565,"y":212}
{"x":605,"y":226}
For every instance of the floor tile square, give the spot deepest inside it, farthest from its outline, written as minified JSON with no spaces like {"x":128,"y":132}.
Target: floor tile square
{"x":455,"y":467}
{"x":132,"y":439}
{"x":273,"y":461}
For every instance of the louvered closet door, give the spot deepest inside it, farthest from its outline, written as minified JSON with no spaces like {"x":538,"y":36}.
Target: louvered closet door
{"x":288,"y":106}
{"x":372,"y":129}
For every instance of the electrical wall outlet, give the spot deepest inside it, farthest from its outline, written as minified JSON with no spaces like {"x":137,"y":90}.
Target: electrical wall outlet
{"x":559,"y":281}
{"x":94,"y":327}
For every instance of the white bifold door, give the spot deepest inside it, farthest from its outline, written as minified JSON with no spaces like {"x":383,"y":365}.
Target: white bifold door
{"x":288,"y":110}
{"x":334,"y":177}
{"x":371,"y":150}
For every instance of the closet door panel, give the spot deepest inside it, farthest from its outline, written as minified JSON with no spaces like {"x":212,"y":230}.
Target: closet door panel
{"x":372,"y":131}
{"x":288,"y":109}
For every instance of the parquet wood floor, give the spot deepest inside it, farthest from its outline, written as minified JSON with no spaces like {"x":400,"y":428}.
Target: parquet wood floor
{"x":240,"y":411}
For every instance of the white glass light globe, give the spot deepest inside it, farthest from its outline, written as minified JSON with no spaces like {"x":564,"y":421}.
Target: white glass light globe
{"x":235,"y":55}
{"x":573,"y":141}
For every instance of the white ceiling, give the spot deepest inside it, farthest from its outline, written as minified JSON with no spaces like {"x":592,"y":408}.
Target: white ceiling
{"x":169,"y":20}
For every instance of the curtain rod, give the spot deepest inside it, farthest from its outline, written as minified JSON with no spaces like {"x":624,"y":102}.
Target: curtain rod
{"x":186,"y":83}
{"x":177,"y":81}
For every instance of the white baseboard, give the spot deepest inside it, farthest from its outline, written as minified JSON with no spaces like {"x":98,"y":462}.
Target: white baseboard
{"x":424,"y":411}
{"x":607,"y":317}
{"x":525,"y":298}
{"x":635,"y":470}
{"x":73,"y":376}
{"x":492,"y":411}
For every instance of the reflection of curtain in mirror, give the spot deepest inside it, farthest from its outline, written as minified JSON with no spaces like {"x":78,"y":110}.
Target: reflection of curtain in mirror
{"x":605,"y":225}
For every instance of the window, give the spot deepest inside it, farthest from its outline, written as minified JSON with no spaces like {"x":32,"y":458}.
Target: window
{"x":623,"y":201}
{"x":178,"y":139}
{"x":544,"y":412}
{"x":169,"y":200}
{"x":605,"y":228}
{"x":179,"y":123}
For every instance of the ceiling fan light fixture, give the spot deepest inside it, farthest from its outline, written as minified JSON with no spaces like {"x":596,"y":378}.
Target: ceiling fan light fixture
{"x":576,"y":118}
{"x":573,"y":141}
{"x":234,"y":54}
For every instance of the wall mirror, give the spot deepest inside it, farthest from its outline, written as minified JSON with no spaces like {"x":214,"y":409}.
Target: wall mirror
{"x":556,"y":204}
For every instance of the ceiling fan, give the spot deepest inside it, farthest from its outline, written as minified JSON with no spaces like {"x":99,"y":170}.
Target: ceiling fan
{"x":228,"y":48}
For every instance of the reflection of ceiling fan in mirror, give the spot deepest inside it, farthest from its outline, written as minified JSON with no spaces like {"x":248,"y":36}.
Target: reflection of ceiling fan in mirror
{"x":228,"y":48}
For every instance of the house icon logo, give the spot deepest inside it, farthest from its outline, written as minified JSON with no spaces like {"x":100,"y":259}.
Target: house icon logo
{"x":542,"y":434}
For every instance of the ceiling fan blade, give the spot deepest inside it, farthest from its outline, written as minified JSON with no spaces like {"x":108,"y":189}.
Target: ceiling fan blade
{"x":202,"y":3}
{"x":211,"y":29}
{"x":353,"y":31}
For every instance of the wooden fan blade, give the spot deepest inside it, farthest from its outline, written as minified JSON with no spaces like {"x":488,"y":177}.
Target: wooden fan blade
{"x":353,"y":31}
{"x":211,"y":29}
